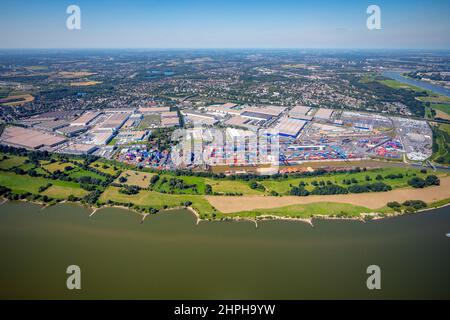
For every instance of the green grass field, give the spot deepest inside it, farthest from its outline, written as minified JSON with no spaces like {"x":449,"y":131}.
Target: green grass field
{"x":28,"y":166}
{"x":78,"y":172}
{"x":156,"y":200}
{"x":228,"y":186}
{"x":24,"y":183}
{"x":13,"y":161}
{"x":435,"y":98}
{"x":136,"y":178}
{"x":199,"y":181}
{"x":442,"y":107}
{"x":399,"y":85}
{"x":445,"y":128}
{"x":63,"y":192}
{"x":305,"y":211}
{"x":52,"y":167}
{"x":75,"y":173}
{"x":441,"y":139}
{"x":105,"y":167}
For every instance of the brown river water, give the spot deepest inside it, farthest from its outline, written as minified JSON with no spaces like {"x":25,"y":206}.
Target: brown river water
{"x":170,"y":257}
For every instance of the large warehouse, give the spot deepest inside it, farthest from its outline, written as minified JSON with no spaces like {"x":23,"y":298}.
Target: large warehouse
{"x":86,"y":118}
{"x":29,"y":138}
{"x":114,"y":122}
{"x":299,"y":110}
{"x":289,"y":127}
{"x":323,"y":114}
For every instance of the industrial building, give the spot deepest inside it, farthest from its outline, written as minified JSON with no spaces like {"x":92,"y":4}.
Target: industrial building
{"x":300,"y":112}
{"x":289,"y":127}
{"x":199,"y":118}
{"x":256,"y":116}
{"x":170,"y":122}
{"x":268,"y":110}
{"x":170,"y":114}
{"x":72,"y":130}
{"x":100,"y":137}
{"x":29,"y":138}
{"x":56,"y":115}
{"x":79,"y":149}
{"x":224,"y":109}
{"x":323,"y":114}
{"x":262,"y":113}
{"x":236,"y":121}
{"x":51,"y":125}
{"x":130,"y":136}
{"x":145,"y":110}
{"x":170,"y":119}
{"x":86,"y":118}
{"x":114,"y":122}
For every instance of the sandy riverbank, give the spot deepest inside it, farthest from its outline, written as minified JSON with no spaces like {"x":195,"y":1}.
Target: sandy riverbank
{"x":369,"y":200}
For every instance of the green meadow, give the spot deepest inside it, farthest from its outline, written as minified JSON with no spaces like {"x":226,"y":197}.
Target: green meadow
{"x":12,"y":162}
{"x":305,"y":211}
{"x":151,"y":199}
{"x":25,"y":183}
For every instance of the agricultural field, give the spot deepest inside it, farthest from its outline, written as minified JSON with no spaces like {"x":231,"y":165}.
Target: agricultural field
{"x":36,"y":68}
{"x":16,"y":100}
{"x":84,"y":83}
{"x":135,"y":178}
{"x":74,"y":75}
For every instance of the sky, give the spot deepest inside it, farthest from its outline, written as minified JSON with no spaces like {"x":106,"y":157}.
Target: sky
{"x":405,"y":24}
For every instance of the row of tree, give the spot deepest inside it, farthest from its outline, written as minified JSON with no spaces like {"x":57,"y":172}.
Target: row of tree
{"x":330,"y":189}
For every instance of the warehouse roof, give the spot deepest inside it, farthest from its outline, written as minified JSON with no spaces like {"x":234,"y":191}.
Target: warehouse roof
{"x":290,"y":127}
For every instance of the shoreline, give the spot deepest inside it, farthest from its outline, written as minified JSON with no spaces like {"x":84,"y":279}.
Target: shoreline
{"x":363,"y":217}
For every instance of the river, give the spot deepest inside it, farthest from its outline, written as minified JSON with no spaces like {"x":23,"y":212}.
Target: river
{"x":170,"y":257}
{"x":397,"y":75}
